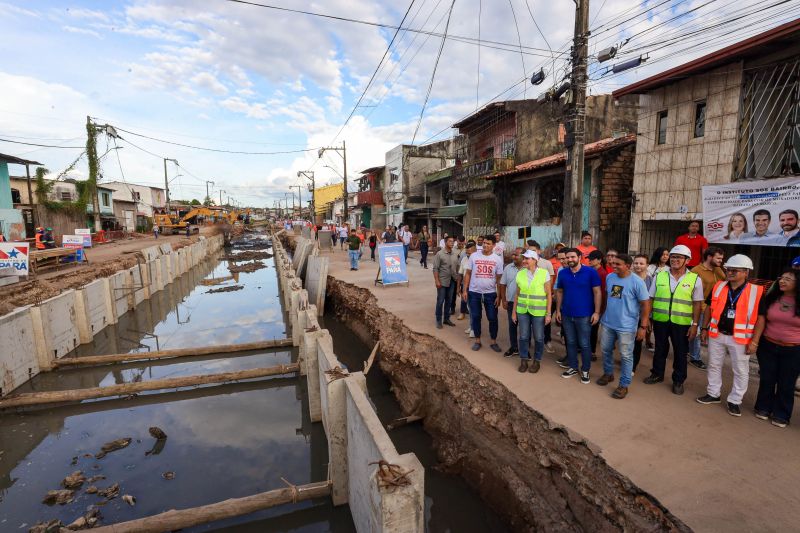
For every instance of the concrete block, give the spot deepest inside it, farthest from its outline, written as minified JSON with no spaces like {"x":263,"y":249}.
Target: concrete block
{"x":134,"y":284}
{"x":154,"y":275}
{"x":18,"y":360}
{"x":166,"y":269}
{"x":117,"y":286}
{"x":93,"y":308}
{"x":166,"y":248}
{"x":309,"y":354}
{"x":299,"y":244}
{"x":317,"y":281}
{"x":374,"y":508}
{"x":151,"y":252}
{"x":175,"y":265}
{"x":56,"y":323}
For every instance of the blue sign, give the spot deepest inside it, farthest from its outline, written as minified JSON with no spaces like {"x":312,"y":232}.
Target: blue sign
{"x":392,"y":263}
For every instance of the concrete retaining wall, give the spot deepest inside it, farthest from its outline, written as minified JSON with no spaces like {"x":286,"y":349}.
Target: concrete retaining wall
{"x":32,"y":337}
{"x":357,"y":441}
{"x":18,"y":362}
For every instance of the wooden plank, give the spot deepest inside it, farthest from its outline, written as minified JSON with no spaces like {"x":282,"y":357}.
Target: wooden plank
{"x":180,"y":519}
{"x":39,"y":398}
{"x":94,"y":360}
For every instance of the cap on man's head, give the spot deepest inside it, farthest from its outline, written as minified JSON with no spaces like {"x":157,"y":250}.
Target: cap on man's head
{"x":796,"y":261}
{"x":530,"y":254}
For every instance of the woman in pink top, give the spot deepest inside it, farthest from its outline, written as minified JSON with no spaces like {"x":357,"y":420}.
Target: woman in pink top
{"x":777,"y":341}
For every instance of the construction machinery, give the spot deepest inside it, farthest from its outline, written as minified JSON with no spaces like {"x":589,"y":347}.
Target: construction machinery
{"x":171,"y":223}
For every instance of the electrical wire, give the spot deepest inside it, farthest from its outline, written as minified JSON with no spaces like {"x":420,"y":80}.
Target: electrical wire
{"x":519,"y":40}
{"x":43,"y":145}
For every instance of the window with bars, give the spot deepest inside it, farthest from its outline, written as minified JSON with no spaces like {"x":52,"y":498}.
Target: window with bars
{"x":662,"y":127}
{"x":769,"y":127}
{"x":700,"y":119}
{"x":551,"y":199}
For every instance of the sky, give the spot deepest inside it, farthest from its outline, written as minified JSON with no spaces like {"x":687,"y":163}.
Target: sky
{"x":231,"y":77}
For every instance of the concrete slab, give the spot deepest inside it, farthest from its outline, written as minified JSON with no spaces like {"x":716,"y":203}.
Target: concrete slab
{"x":56,"y":322}
{"x":300,"y":244}
{"x":135,"y":288}
{"x":151,"y":252}
{"x":18,"y":361}
{"x":117,"y":287}
{"x":166,"y":248}
{"x":93,"y":307}
{"x":166,"y":270}
{"x":687,"y":455}
{"x":154,"y":275}
{"x":316,"y":281}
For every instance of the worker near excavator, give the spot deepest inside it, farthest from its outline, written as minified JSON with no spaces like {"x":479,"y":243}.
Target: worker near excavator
{"x":40,"y":238}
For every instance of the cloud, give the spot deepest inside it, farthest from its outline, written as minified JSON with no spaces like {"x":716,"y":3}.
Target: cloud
{"x":81,"y":31}
{"x":210,"y":82}
{"x":11,"y":10}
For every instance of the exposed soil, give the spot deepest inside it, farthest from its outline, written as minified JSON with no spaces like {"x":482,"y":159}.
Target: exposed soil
{"x":536,"y":474}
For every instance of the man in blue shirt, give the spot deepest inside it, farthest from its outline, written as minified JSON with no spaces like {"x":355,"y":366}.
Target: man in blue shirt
{"x":628,"y":299}
{"x":578,"y":299}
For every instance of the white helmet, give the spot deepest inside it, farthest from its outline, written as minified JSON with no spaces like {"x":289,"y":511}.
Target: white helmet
{"x":680,"y":249}
{"x":739,"y":261}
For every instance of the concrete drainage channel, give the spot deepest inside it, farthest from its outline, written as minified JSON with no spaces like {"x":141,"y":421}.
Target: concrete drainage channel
{"x":537,"y":475}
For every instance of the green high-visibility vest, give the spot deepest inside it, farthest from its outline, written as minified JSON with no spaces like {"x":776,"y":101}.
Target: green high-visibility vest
{"x":532,"y":298}
{"x":675,"y":307}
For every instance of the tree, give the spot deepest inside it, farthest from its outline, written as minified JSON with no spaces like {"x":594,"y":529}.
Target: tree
{"x":194,"y":201}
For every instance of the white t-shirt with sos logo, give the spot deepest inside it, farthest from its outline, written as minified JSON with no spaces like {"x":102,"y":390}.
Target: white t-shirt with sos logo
{"x":484,"y":269}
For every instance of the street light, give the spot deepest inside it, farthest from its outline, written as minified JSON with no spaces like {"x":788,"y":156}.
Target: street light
{"x":166,"y":179}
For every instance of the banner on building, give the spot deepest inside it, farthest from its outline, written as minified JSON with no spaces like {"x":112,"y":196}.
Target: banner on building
{"x":86,"y":233}
{"x":392,"y":264}
{"x":760,"y":213}
{"x":15,"y":255}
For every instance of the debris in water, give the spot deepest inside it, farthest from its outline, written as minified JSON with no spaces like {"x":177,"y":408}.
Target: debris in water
{"x":74,"y":480}
{"x":87,"y":521}
{"x":59,"y":497}
{"x":109,"y":493}
{"x":231,"y":288}
{"x":74,"y":461}
{"x":130,"y":500}
{"x":53,"y":526}
{"x":91,"y":490}
{"x":157,"y":433}
{"x":390,"y":475}
{"x":112,"y":446}
{"x":168,"y":475}
{"x":247,"y":267}
{"x":248,"y":256}
{"x":95,"y":478}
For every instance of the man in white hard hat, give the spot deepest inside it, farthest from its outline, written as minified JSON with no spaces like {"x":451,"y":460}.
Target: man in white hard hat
{"x":729,"y":325}
{"x":677,"y":296}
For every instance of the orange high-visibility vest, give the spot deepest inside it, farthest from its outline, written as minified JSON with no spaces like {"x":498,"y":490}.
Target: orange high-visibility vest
{"x":746,"y":310}
{"x":39,"y":243}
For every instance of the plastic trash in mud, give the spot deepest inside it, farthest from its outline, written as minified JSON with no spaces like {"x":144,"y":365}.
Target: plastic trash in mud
{"x":112,"y":446}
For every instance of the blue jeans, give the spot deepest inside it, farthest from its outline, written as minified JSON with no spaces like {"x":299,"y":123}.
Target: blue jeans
{"x":626,"y":340}
{"x":405,"y":252}
{"x":475,"y":300}
{"x":353,"y":258}
{"x":512,"y":328}
{"x":694,"y":349}
{"x":527,"y":324}
{"x":578,"y":331}
{"x":443,"y":296}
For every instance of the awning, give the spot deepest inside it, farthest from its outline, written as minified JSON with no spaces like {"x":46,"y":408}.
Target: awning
{"x":399,"y":211}
{"x":439,"y":176}
{"x":451,"y":211}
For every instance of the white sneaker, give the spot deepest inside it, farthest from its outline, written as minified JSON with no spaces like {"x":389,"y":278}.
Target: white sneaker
{"x":549,"y":348}
{"x":471,"y":334}
{"x":467,"y":330}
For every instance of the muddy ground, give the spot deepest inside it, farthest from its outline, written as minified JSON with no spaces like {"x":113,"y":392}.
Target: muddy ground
{"x":536,"y":474}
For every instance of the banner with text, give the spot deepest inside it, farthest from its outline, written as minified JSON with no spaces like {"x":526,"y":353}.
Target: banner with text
{"x":14,"y":255}
{"x":760,"y":213}
{"x":392,"y":263}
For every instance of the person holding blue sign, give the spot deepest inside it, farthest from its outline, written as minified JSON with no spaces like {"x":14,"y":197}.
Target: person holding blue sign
{"x":480,"y":279}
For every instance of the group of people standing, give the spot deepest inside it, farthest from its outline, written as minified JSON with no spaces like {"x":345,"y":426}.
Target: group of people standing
{"x":682,"y":297}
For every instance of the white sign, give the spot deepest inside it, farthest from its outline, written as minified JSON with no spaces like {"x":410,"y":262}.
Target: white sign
{"x":15,"y":255}
{"x":71,"y":241}
{"x":87,"y":236}
{"x":760,"y":213}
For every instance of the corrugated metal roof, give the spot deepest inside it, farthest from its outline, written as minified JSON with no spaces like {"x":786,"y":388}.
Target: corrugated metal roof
{"x":16,"y":160}
{"x":450,"y":211}
{"x":591,"y":149}
{"x":439,"y":175}
{"x":725,"y":55}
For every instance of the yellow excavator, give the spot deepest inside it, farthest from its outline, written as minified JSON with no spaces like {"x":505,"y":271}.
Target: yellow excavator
{"x":169,"y":223}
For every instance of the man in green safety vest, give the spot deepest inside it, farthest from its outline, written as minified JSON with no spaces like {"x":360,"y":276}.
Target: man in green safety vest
{"x":532,"y":303}
{"x":677,"y":296}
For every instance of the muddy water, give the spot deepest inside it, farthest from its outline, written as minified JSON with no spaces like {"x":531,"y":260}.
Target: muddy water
{"x":450,"y":505}
{"x":223,"y":441}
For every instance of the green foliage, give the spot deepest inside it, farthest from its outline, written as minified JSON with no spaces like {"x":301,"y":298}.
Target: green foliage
{"x":195,"y":201}
{"x":43,"y":188}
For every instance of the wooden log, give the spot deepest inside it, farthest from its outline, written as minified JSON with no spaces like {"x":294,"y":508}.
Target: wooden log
{"x":38,"y":398}
{"x":184,"y":518}
{"x":399,"y":422}
{"x":94,"y":360}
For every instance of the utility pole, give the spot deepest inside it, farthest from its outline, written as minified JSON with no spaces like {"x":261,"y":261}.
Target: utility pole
{"x":310,"y":175}
{"x":573,"y":183}
{"x":208,"y":196}
{"x":342,"y":152}
{"x":220,"y":197}
{"x":94,"y":170}
{"x":166,"y":179}
{"x":299,"y":197}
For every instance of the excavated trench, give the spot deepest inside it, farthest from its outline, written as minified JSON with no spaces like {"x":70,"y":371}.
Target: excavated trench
{"x":537,"y":475}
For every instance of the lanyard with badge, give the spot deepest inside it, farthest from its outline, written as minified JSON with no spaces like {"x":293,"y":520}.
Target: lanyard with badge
{"x":732,"y":302}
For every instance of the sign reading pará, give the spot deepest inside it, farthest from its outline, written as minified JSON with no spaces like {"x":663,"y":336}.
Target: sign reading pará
{"x":392,"y":263}
{"x":14,"y":255}
{"x":760,"y":213}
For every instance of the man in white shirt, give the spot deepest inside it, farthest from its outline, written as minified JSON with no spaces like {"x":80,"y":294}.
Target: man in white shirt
{"x":499,"y":245}
{"x":405,"y":237}
{"x":480,"y":288}
{"x":343,"y":234}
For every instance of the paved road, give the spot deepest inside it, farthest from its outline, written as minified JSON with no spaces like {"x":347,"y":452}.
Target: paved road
{"x":714,"y":471}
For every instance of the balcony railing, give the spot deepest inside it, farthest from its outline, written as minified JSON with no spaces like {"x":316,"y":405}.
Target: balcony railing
{"x":472,"y":177}
{"x":369,"y":198}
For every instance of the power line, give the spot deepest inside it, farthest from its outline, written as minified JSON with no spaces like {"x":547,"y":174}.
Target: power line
{"x":42,"y":145}
{"x":433,"y":74}
{"x":218,"y":150}
{"x":519,"y":40}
